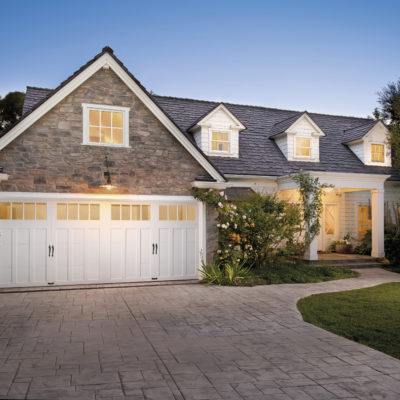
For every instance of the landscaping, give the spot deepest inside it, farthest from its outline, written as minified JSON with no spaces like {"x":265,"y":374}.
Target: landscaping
{"x":368,"y":316}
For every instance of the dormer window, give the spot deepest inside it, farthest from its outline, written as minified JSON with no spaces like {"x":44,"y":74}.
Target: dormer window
{"x":303,"y":147}
{"x":378,"y":153}
{"x":220,"y":141}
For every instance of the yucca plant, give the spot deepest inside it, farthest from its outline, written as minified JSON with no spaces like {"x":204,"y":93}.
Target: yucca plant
{"x":212,"y":272}
{"x":236,"y":270}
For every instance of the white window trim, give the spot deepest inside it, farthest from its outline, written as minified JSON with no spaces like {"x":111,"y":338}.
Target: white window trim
{"x":382,"y":163}
{"x":211,"y":131}
{"x":295,"y":145}
{"x":100,"y":107}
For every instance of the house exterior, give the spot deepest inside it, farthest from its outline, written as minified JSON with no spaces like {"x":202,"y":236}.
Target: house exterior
{"x":97,"y":177}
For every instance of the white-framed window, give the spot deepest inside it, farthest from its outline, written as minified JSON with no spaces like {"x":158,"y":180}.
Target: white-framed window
{"x":105,"y":125}
{"x":377,"y":152}
{"x":220,"y":141}
{"x":302,"y":147}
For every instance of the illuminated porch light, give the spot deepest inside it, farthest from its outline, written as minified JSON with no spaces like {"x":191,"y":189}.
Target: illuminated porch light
{"x":108,"y":185}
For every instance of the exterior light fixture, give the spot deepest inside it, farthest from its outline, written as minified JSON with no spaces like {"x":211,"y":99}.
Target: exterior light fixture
{"x":107,"y":175}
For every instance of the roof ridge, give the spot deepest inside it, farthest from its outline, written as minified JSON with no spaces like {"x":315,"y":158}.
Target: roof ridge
{"x":262,"y":107}
{"x":38,"y":88}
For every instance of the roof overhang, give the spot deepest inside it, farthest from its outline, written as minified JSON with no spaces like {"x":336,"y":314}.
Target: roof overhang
{"x":108,"y":60}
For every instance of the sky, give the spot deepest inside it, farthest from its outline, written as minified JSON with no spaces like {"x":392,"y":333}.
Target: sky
{"x":322,"y":56}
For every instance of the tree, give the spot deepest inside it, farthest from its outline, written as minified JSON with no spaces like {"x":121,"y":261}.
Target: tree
{"x":11,"y":109}
{"x":389,"y":112}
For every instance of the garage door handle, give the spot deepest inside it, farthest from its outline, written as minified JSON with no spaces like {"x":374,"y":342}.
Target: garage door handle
{"x":52,"y":251}
{"x":153,"y":248}
{"x":156,"y":248}
{"x":49,"y":250}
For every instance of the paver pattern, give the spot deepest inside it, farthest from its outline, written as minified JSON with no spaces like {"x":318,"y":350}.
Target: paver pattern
{"x":185,"y":342}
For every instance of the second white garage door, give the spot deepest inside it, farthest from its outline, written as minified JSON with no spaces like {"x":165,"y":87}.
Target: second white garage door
{"x":72,"y":242}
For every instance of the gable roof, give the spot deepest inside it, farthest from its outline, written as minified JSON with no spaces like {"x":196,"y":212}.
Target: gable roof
{"x":47,"y":99}
{"x":358,"y":132}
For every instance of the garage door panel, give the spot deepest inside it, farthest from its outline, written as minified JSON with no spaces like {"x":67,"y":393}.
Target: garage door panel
{"x":92,"y":254}
{"x":117,"y":253}
{"x":39,"y":255}
{"x":77,"y":254}
{"x":132,"y":264}
{"x":145,"y":253}
{"x":191,"y":240}
{"x":165,"y":245}
{"x":179,"y":252}
{"x":61,"y":255}
{"x":6,"y":256}
{"x":22,"y":256}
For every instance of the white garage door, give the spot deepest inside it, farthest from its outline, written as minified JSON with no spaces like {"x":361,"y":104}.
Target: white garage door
{"x":71,"y":242}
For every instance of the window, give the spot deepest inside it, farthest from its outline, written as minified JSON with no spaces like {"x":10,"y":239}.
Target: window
{"x":377,"y":153}
{"x":128,"y":212}
{"x":303,"y":147}
{"x":364,"y":220}
{"x":23,"y":211}
{"x":330,"y":219}
{"x":220,"y":141}
{"x":177,"y":213}
{"x":78,"y":211}
{"x":105,"y":125}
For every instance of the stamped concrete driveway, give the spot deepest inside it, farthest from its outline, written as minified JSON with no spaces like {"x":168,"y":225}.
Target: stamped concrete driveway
{"x":185,"y":342}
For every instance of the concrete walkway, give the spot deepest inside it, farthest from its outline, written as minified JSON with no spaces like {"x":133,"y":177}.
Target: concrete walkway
{"x":185,"y":342}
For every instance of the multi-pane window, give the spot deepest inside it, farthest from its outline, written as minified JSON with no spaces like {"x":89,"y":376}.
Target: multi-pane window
{"x":364,"y":220}
{"x":220,"y":141}
{"x":78,"y":211}
{"x":105,"y":125}
{"x":127,"y":212}
{"x":377,"y":152}
{"x":176,"y":212}
{"x":330,"y":219}
{"x":23,"y":211}
{"x":303,"y":147}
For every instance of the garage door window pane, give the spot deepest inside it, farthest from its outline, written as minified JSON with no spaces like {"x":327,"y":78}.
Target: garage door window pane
{"x":115,"y":212}
{"x":61,"y":211}
{"x":5,"y":211}
{"x":72,"y":211}
{"x":145,"y":213}
{"x":29,"y":211}
{"x":84,"y":212}
{"x":172,"y":213}
{"x":136,"y":212}
{"x":125,"y":212}
{"x":95,"y":212}
{"x":163,"y":213}
{"x":191,"y":214}
{"x":41,"y":211}
{"x":182,"y":213}
{"x":16,"y":211}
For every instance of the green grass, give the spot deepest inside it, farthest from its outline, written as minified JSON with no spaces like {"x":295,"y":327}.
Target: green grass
{"x":369,"y":316}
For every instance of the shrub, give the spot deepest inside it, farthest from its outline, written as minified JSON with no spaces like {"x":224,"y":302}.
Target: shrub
{"x":365,"y":247}
{"x":257,"y":228}
{"x":224,"y":274}
{"x":392,"y":245}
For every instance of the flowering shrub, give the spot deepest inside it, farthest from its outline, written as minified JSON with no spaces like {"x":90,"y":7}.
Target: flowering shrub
{"x":255,"y":229}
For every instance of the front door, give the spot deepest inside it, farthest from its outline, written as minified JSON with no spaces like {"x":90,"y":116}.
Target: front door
{"x":329,"y":228}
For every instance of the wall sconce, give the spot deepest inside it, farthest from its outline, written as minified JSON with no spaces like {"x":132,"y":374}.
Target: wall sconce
{"x":107,"y":175}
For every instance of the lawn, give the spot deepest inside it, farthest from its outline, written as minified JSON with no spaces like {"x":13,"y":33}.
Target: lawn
{"x":369,"y":316}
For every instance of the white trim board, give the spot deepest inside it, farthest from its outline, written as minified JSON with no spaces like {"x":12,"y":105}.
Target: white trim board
{"x":107,"y":61}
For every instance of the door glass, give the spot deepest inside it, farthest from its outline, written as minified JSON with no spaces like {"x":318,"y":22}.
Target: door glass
{"x":172,"y":213}
{"x":16,"y":211}
{"x":125,"y":212}
{"x":191,"y":214}
{"x":330,"y":220}
{"x":61,"y":211}
{"x":5,"y":211}
{"x":115,"y":212}
{"x":41,"y":211}
{"x":182,"y":213}
{"x":136,"y":212}
{"x":163,"y":213}
{"x":84,"y":211}
{"x":95,"y":212}
{"x":146,"y":213}
{"x":72,"y":211}
{"x":29,"y":211}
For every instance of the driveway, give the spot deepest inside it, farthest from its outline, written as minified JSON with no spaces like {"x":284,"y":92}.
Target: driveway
{"x":185,"y":342}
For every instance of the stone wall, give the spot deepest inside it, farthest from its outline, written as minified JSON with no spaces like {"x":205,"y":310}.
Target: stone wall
{"x":211,"y":232}
{"x":49,"y":156}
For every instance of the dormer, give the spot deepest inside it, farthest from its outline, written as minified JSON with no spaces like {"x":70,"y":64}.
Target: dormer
{"x":369,"y":142}
{"x":298,"y":137}
{"x":217,"y":133}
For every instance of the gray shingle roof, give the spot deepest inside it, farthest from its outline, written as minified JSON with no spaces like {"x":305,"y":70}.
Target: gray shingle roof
{"x":259,"y":155}
{"x":358,"y":132}
{"x":282,"y":126}
{"x":33,"y":96}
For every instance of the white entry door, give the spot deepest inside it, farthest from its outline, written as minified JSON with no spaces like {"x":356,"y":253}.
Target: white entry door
{"x":329,"y":228}
{"x":72,"y":242}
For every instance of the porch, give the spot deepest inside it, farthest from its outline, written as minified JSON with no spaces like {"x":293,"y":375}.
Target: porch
{"x":346,"y":260}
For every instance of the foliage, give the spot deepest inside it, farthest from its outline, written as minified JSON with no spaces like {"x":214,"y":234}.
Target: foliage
{"x":392,"y":245}
{"x":389,"y":112}
{"x":11,"y":109}
{"x":278,"y":273}
{"x":365,"y":247}
{"x":253,"y":228}
{"x":368,"y":316}
{"x":343,"y":243}
{"x":311,"y":194}
{"x":224,"y":274}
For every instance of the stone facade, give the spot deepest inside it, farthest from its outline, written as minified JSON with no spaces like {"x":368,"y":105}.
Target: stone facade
{"x":211,"y":232}
{"x":50,"y":157}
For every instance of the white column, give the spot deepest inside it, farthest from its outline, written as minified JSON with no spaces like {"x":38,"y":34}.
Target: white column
{"x":378,"y":223}
{"x":311,"y":253}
